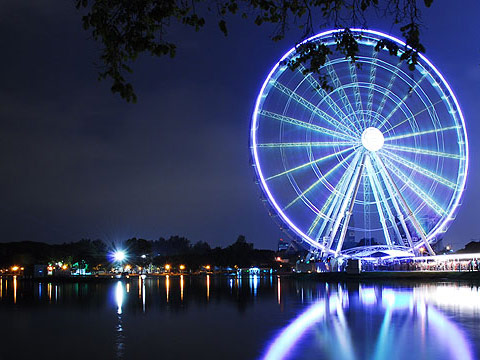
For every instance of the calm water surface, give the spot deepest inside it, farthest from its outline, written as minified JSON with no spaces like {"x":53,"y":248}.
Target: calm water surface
{"x":216,"y":317}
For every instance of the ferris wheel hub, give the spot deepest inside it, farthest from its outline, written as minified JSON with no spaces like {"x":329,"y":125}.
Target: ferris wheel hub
{"x":372,"y":139}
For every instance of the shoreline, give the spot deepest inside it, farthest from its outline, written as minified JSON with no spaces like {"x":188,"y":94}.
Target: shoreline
{"x":420,"y":276}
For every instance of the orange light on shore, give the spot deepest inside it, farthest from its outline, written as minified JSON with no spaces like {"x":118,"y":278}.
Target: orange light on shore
{"x":167,"y":267}
{"x":207,"y":267}
{"x":15,"y":268}
{"x":182,"y":267}
{"x":65,"y":267}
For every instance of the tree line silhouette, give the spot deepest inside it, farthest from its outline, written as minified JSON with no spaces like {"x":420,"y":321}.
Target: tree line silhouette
{"x":174,"y":250}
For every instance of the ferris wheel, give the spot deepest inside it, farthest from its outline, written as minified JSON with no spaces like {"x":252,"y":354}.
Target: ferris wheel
{"x":376,"y":164}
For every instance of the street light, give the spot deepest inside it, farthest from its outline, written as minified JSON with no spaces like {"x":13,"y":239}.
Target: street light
{"x":119,"y":255}
{"x":182,"y":267}
{"x":167,"y":267}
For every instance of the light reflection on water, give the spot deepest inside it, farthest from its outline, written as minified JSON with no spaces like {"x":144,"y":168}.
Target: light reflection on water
{"x":14,"y":289}
{"x":120,"y":338}
{"x":405,"y":325}
{"x":167,"y":285}
{"x":272,"y":317}
{"x":208,"y":287}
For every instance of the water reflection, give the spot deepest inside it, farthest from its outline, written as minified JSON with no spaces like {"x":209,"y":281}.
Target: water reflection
{"x":143,"y":292}
{"x":119,"y":297}
{"x":311,"y":319}
{"x":120,"y":337}
{"x":14,"y":289}
{"x":253,"y":281}
{"x":181,"y":287}
{"x":279,"y":291}
{"x":394,"y":323}
{"x":167,"y":285}
{"x":139,"y":287}
{"x":208,"y":287}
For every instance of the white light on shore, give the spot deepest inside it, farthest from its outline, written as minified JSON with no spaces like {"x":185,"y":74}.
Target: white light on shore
{"x":119,"y":255}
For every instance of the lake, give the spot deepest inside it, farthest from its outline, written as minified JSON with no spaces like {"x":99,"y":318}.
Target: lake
{"x":220,"y":317}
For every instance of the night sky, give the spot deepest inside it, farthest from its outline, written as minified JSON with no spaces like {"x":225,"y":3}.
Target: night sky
{"x":78,"y":162}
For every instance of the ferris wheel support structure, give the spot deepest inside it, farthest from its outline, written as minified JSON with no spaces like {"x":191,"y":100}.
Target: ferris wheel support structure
{"x":409,"y":211}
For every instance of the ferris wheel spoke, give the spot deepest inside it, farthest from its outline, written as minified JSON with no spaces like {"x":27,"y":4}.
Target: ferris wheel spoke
{"x":325,"y":96}
{"x":343,"y":95}
{"x":420,"y":133}
{"x":329,"y":156}
{"x":366,"y":207}
{"x":307,"y":144}
{"x":303,"y":124}
{"x":420,"y":231}
{"x":334,"y":212}
{"x":321,"y":179}
{"x":356,"y":93}
{"x":349,"y":202}
{"x":380,"y":199}
{"x":401,"y":102}
{"x":331,"y":202}
{"x":373,"y":74}
{"x":315,"y":110}
{"x":388,"y":89}
{"x":341,"y":204}
{"x":393,"y":191}
{"x":384,"y":200}
{"x":421,"y":194}
{"x":414,"y":150}
{"x":432,"y":106}
{"x":427,"y":173}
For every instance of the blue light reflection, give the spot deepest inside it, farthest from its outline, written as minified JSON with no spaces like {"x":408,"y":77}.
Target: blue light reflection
{"x":345,"y":325}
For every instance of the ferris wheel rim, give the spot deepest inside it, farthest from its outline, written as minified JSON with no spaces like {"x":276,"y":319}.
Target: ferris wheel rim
{"x":254,"y":145}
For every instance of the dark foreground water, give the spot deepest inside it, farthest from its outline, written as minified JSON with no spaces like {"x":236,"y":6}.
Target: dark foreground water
{"x":227,"y":318}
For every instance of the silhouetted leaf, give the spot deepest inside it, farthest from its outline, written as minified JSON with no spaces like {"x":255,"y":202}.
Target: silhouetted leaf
{"x":223,"y":27}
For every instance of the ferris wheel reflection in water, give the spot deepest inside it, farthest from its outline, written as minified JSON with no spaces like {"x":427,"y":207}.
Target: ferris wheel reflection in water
{"x":377,"y":323}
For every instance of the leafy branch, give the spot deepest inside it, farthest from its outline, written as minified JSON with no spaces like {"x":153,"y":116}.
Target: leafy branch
{"x":129,"y":28}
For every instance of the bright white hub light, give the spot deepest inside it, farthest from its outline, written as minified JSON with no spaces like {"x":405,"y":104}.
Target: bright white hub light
{"x":372,"y":139}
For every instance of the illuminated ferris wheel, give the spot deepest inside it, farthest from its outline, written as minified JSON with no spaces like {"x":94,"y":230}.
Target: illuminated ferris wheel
{"x":377,"y":164}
